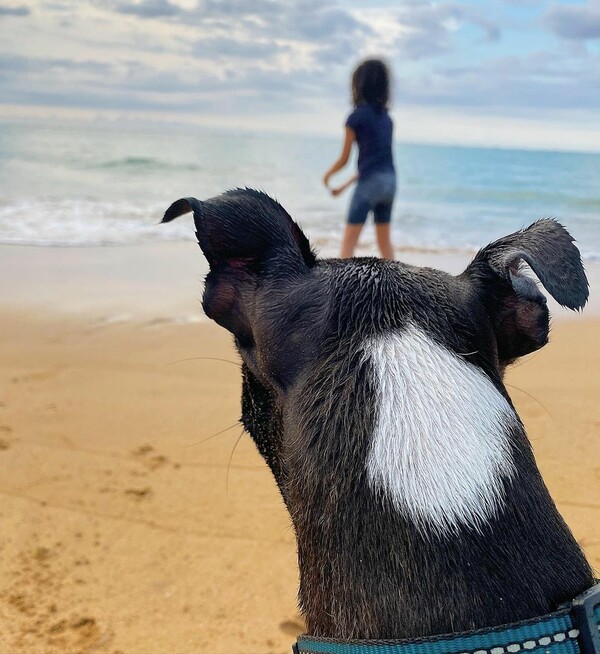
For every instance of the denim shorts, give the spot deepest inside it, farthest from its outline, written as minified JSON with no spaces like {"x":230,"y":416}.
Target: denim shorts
{"x":376,"y":194}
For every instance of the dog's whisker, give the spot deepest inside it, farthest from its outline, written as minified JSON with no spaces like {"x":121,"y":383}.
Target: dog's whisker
{"x":239,"y":438}
{"x":526,"y":359}
{"x":213,"y":436}
{"x":530,"y":396}
{"x":233,"y":363}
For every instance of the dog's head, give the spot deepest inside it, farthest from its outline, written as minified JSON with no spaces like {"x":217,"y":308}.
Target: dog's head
{"x":334,"y":349}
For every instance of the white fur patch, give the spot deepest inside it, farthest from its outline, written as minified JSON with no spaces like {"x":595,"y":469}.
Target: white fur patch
{"x":440,"y":449}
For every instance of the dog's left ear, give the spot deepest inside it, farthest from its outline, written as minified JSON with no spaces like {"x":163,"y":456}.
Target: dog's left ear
{"x":249,"y":241}
{"x":513,"y":301}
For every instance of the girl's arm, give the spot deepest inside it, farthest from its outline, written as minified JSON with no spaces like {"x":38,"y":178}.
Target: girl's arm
{"x":349,"y":139}
{"x":343,"y":187}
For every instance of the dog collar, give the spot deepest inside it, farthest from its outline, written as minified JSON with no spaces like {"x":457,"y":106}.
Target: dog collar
{"x":573,"y":629}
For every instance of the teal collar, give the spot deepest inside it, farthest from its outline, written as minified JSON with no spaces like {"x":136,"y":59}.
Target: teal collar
{"x":573,"y":629}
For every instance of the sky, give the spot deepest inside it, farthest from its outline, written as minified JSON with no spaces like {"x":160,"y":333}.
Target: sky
{"x":508,"y":73}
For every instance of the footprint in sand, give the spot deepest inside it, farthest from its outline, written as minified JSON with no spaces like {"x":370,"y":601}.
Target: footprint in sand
{"x":142,"y":450}
{"x":139,"y":493}
{"x":34,"y":615}
{"x":80,"y":632}
{"x":41,"y":375}
{"x":150,"y":460}
{"x":5,"y":443}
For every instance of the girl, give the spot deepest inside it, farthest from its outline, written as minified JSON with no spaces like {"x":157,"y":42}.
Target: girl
{"x":370,"y":126}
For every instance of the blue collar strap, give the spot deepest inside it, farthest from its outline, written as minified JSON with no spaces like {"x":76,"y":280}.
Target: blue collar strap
{"x":573,"y":629}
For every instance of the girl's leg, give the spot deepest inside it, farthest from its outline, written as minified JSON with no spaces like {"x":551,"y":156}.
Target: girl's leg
{"x":382,"y":214}
{"x":382,"y":230}
{"x":351,"y":234}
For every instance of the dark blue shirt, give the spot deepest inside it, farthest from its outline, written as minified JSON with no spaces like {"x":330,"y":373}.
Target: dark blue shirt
{"x":373,"y":129}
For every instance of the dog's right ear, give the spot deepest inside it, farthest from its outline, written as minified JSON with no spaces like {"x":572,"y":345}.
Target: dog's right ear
{"x":247,"y":238}
{"x":514,"y":303}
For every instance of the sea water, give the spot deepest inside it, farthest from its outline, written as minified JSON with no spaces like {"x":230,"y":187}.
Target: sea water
{"x":108,"y":185}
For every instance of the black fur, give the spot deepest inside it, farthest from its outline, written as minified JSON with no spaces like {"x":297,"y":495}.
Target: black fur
{"x":308,"y":401}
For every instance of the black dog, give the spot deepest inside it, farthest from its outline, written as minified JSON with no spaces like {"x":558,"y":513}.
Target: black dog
{"x":373,"y":390}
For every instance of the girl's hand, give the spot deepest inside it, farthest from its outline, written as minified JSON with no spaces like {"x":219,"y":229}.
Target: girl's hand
{"x":340,"y":189}
{"x":326,"y":178}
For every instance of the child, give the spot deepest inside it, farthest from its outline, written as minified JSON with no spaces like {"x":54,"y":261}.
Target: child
{"x":370,"y":126}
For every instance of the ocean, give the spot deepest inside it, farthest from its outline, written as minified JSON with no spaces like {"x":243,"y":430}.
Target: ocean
{"x":107,"y":185}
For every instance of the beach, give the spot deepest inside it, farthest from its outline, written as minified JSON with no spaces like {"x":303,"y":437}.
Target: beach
{"x":136,"y":515}
{"x":137,"y":518}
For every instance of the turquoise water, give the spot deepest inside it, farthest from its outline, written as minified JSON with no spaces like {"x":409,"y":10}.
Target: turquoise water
{"x":94,"y":185}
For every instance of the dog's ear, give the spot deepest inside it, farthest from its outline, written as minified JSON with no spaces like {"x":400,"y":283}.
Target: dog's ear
{"x":247,"y":238}
{"x":512,"y":299}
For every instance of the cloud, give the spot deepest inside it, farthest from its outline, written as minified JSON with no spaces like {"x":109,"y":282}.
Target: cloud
{"x":225,"y":47}
{"x":574,"y":22}
{"x":148,"y":8}
{"x":311,"y":20}
{"x":276,"y":34}
{"x":540,"y":81}
{"x":316,"y":21}
{"x":303,"y":19}
{"x":46,"y":66}
{"x":21,"y":10}
{"x":429,"y":28}
{"x":130,"y":84}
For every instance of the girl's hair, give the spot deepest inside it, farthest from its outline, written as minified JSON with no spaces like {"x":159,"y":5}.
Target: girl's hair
{"x":371,"y":84}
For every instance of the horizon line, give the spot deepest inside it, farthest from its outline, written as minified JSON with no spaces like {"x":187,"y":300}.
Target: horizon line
{"x":156,"y":119}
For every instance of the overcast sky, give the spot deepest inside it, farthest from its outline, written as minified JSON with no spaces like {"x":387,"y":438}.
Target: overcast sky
{"x":499,"y":72}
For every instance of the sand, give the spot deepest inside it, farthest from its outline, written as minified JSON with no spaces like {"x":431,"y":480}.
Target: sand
{"x":128,"y":523}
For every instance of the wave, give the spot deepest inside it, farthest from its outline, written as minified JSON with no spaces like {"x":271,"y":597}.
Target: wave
{"x":85,"y":223}
{"x":143,"y":164}
{"x":430,"y":228}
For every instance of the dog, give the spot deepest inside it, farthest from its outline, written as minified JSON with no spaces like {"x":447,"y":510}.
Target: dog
{"x":374,"y":392}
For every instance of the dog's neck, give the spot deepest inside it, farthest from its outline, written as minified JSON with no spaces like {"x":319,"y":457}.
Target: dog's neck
{"x":421,"y":512}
